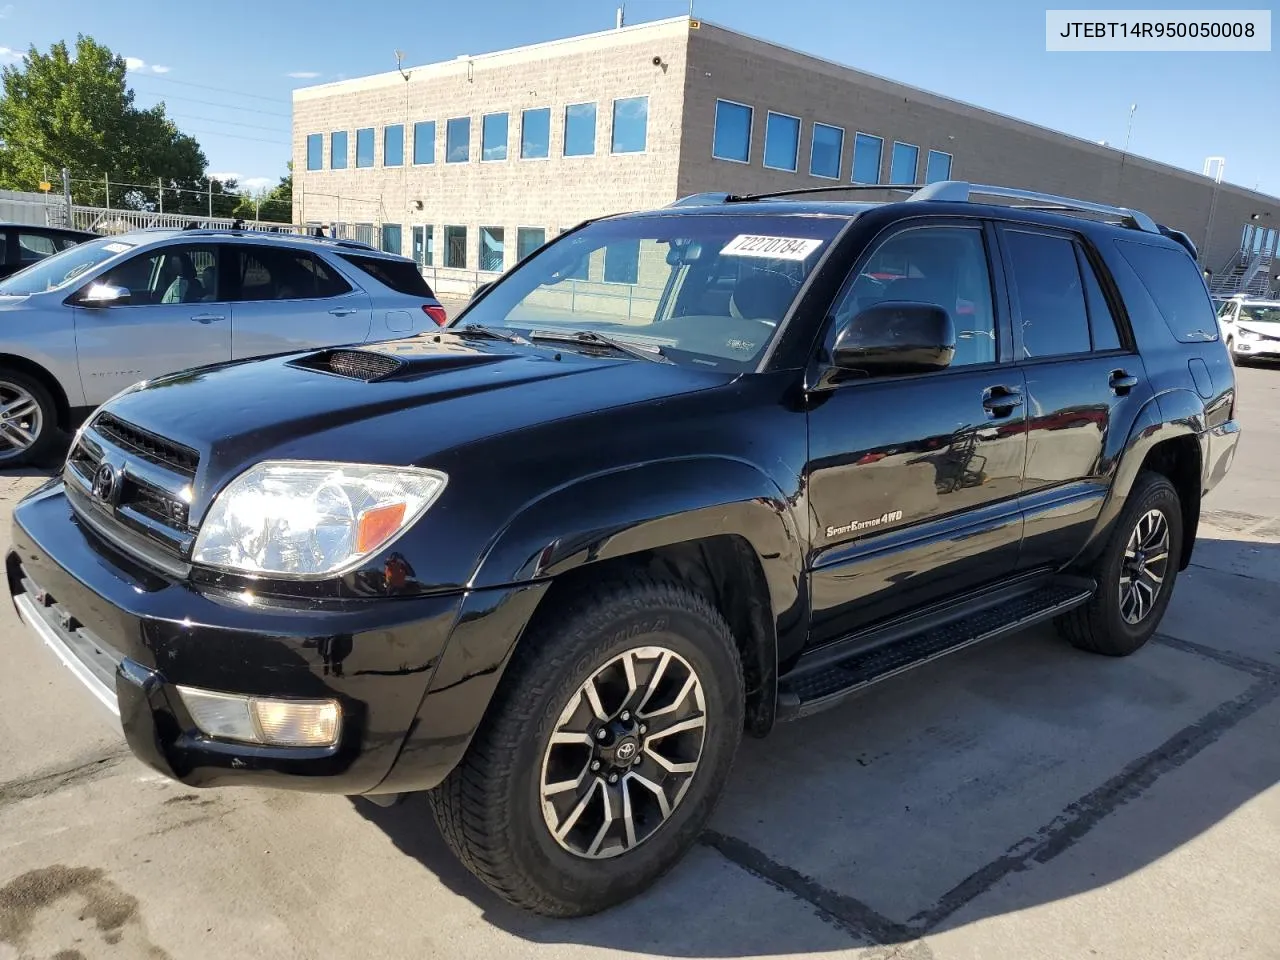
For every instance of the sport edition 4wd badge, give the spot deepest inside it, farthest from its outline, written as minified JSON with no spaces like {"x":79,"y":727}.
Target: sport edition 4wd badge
{"x":857,"y":525}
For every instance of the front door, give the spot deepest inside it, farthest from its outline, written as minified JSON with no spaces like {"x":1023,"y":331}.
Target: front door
{"x":175,"y":318}
{"x":913,"y":481}
{"x":289,"y":299}
{"x":1085,"y":386}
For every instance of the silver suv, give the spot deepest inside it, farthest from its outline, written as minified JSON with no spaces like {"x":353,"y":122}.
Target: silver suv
{"x":84,"y":324}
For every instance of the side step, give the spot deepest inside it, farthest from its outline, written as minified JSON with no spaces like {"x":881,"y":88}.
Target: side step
{"x":822,"y":680}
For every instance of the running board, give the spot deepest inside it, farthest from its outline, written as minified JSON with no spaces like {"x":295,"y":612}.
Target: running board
{"x":820,"y":680}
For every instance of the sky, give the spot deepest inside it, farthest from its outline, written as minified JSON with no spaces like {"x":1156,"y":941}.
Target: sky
{"x":226,"y":72}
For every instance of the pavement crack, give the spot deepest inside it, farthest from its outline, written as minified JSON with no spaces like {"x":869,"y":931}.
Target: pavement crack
{"x":43,"y":784}
{"x":1236,"y":661}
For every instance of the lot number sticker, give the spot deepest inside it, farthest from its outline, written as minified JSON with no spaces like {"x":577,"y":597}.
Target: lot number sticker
{"x":771,"y":248}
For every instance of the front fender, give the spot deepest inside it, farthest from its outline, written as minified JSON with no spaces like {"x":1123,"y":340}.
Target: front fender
{"x":645,"y":507}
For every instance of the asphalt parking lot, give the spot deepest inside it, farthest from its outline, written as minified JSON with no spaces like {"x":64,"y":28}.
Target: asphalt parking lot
{"x":1017,"y":800}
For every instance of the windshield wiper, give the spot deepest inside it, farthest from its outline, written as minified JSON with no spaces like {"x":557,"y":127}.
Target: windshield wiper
{"x":599,"y":339}
{"x":483,"y":331}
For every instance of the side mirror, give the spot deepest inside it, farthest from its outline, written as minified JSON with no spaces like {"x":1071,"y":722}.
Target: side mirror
{"x":104,"y":295}
{"x":896,"y":337}
{"x":475,"y":294}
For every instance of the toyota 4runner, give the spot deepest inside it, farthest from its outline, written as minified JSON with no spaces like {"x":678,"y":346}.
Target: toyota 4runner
{"x":679,"y":475}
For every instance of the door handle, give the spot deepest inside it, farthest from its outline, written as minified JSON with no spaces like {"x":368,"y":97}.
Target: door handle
{"x":342,"y":311}
{"x":1001,"y":401}
{"x":207,"y":317}
{"x":1122,"y":382}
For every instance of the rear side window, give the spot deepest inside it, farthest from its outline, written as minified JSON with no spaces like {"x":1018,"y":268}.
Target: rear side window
{"x":35,"y":246}
{"x":1173,"y":281}
{"x":401,"y":276}
{"x":1050,"y":294}
{"x":270,"y":273}
{"x":1102,"y":323}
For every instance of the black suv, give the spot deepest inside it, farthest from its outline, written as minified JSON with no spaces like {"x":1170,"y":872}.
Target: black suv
{"x":678,"y":475}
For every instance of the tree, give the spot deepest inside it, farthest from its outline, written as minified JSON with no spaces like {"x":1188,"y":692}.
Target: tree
{"x":78,"y":112}
{"x":274,"y":205}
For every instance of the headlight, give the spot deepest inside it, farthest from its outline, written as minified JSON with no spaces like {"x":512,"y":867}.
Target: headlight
{"x":1248,"y":335}
{"x":308,"y":519}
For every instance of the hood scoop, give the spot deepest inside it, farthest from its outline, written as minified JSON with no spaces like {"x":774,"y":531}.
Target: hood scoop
{"x":352,"y":364}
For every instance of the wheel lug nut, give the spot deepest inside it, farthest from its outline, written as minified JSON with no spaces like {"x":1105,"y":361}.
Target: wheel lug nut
{"x":595,"y":765}
{"x":626,"y":715}
{"x":601,"y":733}
{"x":613,"y":778}
{"x":643,"y":728}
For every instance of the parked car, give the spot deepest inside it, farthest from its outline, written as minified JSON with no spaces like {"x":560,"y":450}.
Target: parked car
{"x":550,"y":562}
{"x":1251,"y":328}
{"x":85,"y":323}
{"x":25,"y":244}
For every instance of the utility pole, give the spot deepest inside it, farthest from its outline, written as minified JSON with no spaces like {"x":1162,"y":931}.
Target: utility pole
{"x":66,"y":193}
{"x":211,"y":199}
{"x":106,"y":180}
{"x":160,"y":192}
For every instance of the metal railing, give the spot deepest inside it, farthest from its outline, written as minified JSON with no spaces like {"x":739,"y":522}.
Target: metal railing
{"x":105,"y":220}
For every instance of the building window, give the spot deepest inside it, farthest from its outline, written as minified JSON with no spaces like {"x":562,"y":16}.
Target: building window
{"x":732,"y":137}
{"x":392,"y":238}
{"x":315,"y":151}
{"x":457,"y":141}
{"x":826,"y":151}
{"x":902,"y":167}
{"x":529,"y":239}
{"x":535,"y":134}
{"x":493,"y":137}
{"x":393,"y":145}
{"x":580,"y":130}
{"x":338,"y":150}
{"x":364,"y":147}
{"x":781,"y":141}
{"x":491,"y":249}
{"x":867,"y":151}
{"x":455,"y":247}
{"x":421,"y":240}
{"x":937,"y":167}
{"x":630,"y":124}
{"x":362,"y":232}
{"x":622,"y":262}
{"x":424,"y":141}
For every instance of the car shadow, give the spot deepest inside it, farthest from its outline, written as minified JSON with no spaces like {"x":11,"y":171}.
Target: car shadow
{"x":952,"y":793}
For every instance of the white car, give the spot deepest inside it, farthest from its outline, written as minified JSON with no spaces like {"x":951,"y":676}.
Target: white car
{"x":1251,"y":328}
{"x":83,"y":324}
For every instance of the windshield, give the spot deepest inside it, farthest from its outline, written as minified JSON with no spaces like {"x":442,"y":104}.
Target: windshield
{"x":707,"y":290}
{"x":1259,"y":314}
{"x":62,"y":268}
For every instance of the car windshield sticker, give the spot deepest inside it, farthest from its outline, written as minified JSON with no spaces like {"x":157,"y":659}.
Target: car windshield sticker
{"x":117,"y":247}
{"x":771,"y":248}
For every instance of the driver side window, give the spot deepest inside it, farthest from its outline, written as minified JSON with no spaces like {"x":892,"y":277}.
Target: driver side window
{"x":169,"y":275}
{"x":944,"y":266}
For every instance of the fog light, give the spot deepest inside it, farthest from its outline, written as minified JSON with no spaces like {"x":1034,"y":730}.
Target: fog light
{"x":282,"y":723}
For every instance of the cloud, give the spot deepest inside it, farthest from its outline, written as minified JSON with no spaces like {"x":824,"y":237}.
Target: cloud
{"x":303,"y":74}
{"x":133,"y":63}
{"x":257,"y":183}
{"x":223,"y":176}
{"x":156,"y":68}
{"x":8,"y":53}
{"x":6,"y":11}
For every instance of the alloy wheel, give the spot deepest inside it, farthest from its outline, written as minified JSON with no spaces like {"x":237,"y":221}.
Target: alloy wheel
{"x":623,"y":753}
{"x":20,"y":420}
{"x":1144,"y":566}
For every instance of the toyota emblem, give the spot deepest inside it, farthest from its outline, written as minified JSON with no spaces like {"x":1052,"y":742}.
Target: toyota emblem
{"x":626,"y":750}
{"x":106,"y":484}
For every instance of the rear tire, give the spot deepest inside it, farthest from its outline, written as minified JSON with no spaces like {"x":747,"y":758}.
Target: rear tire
{"x":1135,"y":574}
{"x":28,"y":419}
{"x":601,"y":834}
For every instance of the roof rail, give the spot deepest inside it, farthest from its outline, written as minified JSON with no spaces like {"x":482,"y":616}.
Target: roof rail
{"x":702,"y":199}
{"x":843,"y":188}
{"x":960,"y":191}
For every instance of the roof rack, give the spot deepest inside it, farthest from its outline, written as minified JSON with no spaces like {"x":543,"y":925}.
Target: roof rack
{"x":961,"y":191}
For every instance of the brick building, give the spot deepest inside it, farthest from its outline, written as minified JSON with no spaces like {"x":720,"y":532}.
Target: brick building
{"x":467,"y":165}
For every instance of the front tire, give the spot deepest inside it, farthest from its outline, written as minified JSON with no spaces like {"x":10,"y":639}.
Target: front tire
{"x":1135,"y":574}
{"x":28,"y":419}
{"x":603,"y":753}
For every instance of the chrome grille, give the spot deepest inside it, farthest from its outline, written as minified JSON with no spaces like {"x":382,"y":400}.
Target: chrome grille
{"x":145,"y":512}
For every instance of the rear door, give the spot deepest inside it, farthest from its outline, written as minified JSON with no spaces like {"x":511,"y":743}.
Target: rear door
{"x":174,"y":319}
{"x":285,"y":298}
{"x":1085,"y":384}
{"x":913,"y":481}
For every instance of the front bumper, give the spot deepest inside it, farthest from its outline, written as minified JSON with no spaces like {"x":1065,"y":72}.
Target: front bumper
{"x":132,"y":635}
{"x":1267,"y":349}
